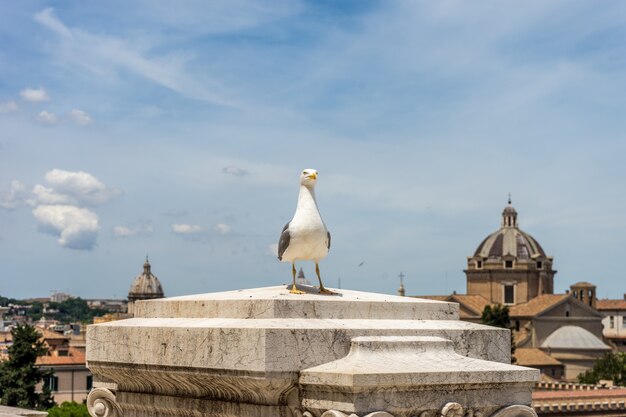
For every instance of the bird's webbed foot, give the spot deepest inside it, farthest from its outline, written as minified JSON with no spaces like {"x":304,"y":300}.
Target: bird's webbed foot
{"x":324,"y":290}
{"x":294,"y":290}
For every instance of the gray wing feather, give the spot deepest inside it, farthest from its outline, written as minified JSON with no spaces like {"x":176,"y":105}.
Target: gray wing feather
{"x":328,"y":245}
{"x":283,"y":242}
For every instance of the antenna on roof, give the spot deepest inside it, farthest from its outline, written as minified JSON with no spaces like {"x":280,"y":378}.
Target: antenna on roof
{"x":509,"y":198}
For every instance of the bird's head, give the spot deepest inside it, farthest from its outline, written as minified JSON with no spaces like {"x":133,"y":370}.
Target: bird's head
{"x":308,"y":177}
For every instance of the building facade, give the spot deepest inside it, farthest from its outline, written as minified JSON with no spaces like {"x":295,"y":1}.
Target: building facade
{"x":614,"y":322}
{"x":146,"y":286}
{"x":509,"y":266}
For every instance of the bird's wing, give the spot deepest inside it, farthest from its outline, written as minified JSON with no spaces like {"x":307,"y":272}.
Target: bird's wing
{"x":328,"y":243}
{"x":283,"y":242}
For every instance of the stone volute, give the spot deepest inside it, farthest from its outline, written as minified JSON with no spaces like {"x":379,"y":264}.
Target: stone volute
{"x":264,"y":352}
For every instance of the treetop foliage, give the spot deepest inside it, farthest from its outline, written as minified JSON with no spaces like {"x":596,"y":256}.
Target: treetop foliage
{"x":19,"y":376}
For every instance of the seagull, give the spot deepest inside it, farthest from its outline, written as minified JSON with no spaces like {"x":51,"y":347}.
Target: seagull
{"x":305,"y":237}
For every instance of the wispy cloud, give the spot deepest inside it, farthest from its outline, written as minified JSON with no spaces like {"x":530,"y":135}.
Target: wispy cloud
{"x":8,"y":107}
{"x":80,"y":117}
{"x":94,"y":52}
{"x":140,"y":230}
{"x":187,"y":229}
{"x":16,"y":196}
{"x":222,"y":229}
{"x":235,"y":171}
{"x":47,"y":118}
{"x":34,"y":95}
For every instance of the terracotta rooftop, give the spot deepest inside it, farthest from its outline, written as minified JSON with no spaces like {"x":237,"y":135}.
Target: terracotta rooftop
{"x":75,"y":357}
{"x":49,"y":334}
{"x":432,"y":297}
{"x":536,"y":305}
{"x":580,"y":394}
{"x":534,"y":357}
{"x":476,"y":303}
{"x":611,"y":304}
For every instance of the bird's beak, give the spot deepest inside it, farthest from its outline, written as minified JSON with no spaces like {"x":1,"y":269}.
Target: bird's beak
{"x":313,"y":176}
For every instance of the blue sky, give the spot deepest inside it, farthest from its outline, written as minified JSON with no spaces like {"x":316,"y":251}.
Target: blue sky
{"x":129,"y":128}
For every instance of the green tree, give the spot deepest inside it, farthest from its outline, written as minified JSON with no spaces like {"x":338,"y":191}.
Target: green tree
{"x":69,"y":409}
{"x":611,"y":366}
{"x":498,"y":316}
{"x":19,"y":375}
{"x":73,"y":310}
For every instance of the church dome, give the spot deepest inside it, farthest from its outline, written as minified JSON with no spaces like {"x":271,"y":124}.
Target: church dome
{"x":509,"y":240}
{"x":146,"y":285}
{"x":573,"y":337}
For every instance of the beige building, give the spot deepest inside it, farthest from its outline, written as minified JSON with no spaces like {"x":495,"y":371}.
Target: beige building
{"x":509,"y":266}
{"x":559,"y":334}
{"x":614,"y":321}
{"x":146,"y":286}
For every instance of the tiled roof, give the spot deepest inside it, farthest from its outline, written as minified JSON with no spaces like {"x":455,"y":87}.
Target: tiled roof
{"x":534,"y":357}
{"x":476,"y":303}
{"x":536,"y":305}
{"x":432,"y":297}
{"x":580,"y":394}
{"x":49,"y":334}
{"x":611,"y":304}
{"x":75,"y":357}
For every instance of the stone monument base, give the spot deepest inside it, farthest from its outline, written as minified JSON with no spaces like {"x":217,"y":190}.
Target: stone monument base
{"x":266,"y":352}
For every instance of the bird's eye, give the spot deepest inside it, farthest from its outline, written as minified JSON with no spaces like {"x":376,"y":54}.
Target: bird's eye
{"x":304,"y":172}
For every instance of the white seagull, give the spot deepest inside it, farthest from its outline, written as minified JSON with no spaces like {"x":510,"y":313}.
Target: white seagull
{"x":305,"y":237}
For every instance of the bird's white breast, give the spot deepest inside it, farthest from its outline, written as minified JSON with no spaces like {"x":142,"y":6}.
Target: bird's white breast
{"x":307,"y":231}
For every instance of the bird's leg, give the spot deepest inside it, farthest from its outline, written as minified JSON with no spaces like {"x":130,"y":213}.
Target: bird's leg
{"x":294,"y":290}
{"x":322,"y":289}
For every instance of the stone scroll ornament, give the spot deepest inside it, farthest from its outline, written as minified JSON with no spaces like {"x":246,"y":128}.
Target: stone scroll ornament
{"x":101,"y":403}
{"x":333,"y":413}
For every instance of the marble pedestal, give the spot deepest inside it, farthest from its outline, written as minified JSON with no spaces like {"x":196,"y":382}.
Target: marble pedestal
{"x":265,"y":352}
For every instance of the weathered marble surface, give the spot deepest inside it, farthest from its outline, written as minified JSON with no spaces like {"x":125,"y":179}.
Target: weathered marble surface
{"x":20,"y":412}
{"x":407,"y":375}
{"x":242,"y":353}
{"x":277,"y":302}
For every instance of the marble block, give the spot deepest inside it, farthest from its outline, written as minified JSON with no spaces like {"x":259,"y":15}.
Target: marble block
{"x":407,"y":375}
{"x":243,"y":353}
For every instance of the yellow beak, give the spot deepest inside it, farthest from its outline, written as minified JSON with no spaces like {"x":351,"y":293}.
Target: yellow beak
{"x":313,"y":176}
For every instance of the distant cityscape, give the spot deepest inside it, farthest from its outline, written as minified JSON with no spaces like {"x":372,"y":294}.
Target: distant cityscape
{"x":562,"y":335}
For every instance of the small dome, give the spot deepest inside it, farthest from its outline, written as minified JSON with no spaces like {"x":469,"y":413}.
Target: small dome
{"x":573,"y":337}
{"x":509,"y":240}
{"x":583,"y":284}
{"x":146,"y":285}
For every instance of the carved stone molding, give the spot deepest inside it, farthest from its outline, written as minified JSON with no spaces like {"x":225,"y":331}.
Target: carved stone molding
{"x":515,"y":411}
{"x":451,"y":409}
{"x":334,"y":413}
{"x":101,"y":403}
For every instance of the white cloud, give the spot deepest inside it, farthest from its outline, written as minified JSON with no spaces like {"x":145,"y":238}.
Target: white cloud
{"x":43,"y":195}
{"x":80,"y":117}
{"x":34,"y":95}
{"x":80,"y":186}
{"x":186,"y":229}
{"x":75,"y":227}
{"x":8,"y":106}
{"x":235,"y":171}
{"x":15,"y":197}
{"x":222,"y":229}
{"x":141,"y":230}
{"x":46,"y":117}
{"x":273,"y":249}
